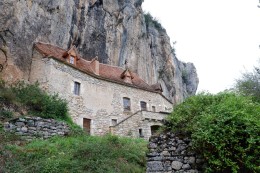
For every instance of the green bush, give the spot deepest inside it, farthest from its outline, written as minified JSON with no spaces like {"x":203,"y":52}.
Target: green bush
{"x":6,"y":94}
{"x":249,"y":84}
{"x":5,"y":114}
{"x":37,"y":101}
{"x":225,"y":128}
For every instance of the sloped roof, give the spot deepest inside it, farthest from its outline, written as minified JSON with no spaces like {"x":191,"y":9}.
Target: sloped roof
{"x":106,"y":72}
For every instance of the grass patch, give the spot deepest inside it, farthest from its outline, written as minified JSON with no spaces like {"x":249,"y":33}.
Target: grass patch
{"x":91,"y":154}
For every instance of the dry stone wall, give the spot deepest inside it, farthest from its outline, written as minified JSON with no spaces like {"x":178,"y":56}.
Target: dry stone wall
{"x":36,"y":127}
{"x":169,"y":153}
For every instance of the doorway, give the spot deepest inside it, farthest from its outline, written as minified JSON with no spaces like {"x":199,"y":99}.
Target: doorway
{"x":154,"y":129}
{"x":86,"y":125}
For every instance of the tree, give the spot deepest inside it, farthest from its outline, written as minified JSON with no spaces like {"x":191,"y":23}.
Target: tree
{"x":224,"y":129}
{"x":249,"y":84}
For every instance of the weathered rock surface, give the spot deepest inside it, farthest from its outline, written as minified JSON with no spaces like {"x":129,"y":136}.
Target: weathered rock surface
{"x":113,"y":30}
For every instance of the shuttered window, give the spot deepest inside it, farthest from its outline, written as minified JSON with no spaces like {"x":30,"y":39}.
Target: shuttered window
{"x":76,"y":88}
{"x":127,"y":104}
{"x":143,"y":106}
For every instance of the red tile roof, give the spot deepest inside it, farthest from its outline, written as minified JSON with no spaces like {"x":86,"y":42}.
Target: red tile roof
{"x":106,"y":72}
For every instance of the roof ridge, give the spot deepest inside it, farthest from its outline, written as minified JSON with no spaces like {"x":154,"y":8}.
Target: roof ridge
{"x":49,"y":45}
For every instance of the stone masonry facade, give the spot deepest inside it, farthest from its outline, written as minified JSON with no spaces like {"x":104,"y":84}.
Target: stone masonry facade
{"x":100,"y":101}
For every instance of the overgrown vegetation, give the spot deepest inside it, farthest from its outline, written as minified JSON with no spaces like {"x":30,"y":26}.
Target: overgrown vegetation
{"x":224,"y":128}
{"x":78,"y":152}
{"x":91,"y":154}
{"x":150,"y":20}
{"x":249,"y":84}
{"x":36,"y":101}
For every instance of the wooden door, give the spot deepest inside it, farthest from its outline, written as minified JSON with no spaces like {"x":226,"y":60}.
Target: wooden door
{"x":86,"y":125}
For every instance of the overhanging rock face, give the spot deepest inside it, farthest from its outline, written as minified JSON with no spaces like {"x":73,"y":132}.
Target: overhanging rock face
{"x":113,"y":30}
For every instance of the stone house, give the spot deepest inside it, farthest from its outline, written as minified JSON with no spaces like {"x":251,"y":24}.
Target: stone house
{"x":102,"y":98}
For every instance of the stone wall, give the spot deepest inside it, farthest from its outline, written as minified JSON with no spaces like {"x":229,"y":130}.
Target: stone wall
{"x":99,"y":100}
{"x":169,"y":153}
{"x":36,"y":127}
{"x":141,"y":120}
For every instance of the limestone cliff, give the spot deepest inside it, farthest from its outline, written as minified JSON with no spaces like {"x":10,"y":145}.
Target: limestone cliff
{"x":113,"y":30}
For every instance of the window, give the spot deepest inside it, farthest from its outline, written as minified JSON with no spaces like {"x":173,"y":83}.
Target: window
{"x":127,"y":105}
{"x":114,"y":122}
{"x":72,"y":59}
{"x":143,"y":106}
{"x":141,"y":133}
{"x":76,"y":88}
{"x":153,"y":108}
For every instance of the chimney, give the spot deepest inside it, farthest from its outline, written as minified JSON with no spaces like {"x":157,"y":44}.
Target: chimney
{"x":127,"y":77}
{"x":95,"y":65}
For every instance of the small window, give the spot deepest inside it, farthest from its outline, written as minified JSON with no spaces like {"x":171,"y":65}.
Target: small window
{"x":114,"y":122}
{"x":143,"y":106}
{"x":153,"y":108}
{"x":141,"y":133}
{"x":127,"y":104}
{"x":76,"y":88}
{"x":72,"y":59}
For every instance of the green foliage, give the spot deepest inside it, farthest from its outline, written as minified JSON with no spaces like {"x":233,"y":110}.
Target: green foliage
{"x":75,"y":130}
{"x":184,"y":75}
{"x":249,"y":84}
{"x":6,"y":94}
{"x":225,"y":128}
{"x":4,"y":114}
{"x":91,"y":154}
{"x":36,"y":100}
{"x":151,"y":21}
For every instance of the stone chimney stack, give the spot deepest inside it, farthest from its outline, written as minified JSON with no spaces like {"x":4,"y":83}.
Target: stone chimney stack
{"x":95,"y":65}
{"x":127,"y":77}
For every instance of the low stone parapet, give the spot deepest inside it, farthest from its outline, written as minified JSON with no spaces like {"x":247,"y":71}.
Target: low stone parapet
{"x":36,"y":127}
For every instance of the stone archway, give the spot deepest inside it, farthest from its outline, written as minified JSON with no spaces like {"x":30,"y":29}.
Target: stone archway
{"x":154,"y":129}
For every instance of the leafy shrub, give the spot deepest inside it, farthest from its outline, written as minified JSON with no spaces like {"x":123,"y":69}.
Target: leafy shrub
{"x":6,"y":94}
{"x":249,"y":84}
{"x":40,"y":103}
{"x":36,"y":100}
{"x":5,"y":114}
{"x":225,"y":128}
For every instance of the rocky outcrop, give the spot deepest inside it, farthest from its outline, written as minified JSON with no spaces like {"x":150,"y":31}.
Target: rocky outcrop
{"x":113,"y":30}
{"x":36,"y":127}
{"x":170,"y":153}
